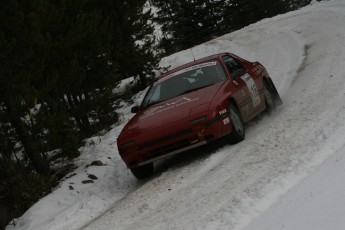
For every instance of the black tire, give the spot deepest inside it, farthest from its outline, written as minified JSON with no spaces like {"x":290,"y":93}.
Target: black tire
{"x":238,"y":131}
{"x":143,"y":171}
{"x":269,"y":98}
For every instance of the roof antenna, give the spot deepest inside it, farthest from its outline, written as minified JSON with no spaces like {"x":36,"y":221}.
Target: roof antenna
{"x":191,"y":50}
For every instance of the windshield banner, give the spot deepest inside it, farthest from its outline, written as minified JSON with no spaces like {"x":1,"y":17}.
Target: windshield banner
{"x":194,"y":67}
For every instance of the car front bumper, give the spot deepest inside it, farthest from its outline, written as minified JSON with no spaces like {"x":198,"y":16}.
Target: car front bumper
{"x":163,"y":146}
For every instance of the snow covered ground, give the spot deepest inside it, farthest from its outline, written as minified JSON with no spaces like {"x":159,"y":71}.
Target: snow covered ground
{"x":287,"y":174}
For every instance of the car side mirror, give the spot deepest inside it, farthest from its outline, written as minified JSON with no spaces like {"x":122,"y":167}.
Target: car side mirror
{"x":135,"y":109}
{"x":239,"y":72}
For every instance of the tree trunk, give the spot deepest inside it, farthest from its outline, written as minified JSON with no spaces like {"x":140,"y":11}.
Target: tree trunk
{"x":30,"y":146}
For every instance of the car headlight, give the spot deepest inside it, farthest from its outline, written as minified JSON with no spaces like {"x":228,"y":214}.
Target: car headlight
{"x":198,"y":120}
{"x":128,"y":144}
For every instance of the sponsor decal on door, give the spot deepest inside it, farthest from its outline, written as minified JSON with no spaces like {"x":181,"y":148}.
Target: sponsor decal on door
{"x":253,"y":90}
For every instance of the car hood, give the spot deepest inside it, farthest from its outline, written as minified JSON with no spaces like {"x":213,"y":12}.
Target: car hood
{"x":179,"y":110}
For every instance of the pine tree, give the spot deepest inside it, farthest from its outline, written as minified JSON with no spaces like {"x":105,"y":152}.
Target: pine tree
{"x":244,"y":12}
{"x":296,"y":4}
{"x":132,"y":42}
{"x":21,"y":65}
{"x":59,"y":63}
{"x":190,"y":22}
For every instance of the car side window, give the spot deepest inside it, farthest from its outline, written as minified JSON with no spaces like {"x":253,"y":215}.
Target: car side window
{"x":234,"y":67}
{"x":153,"y":96}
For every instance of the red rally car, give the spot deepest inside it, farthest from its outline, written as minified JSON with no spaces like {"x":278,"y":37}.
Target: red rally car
{"x":194,"y":104}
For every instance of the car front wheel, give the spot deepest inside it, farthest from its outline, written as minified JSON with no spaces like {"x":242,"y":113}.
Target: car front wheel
{"x":143,"y":171}
{"x":237,"y":133}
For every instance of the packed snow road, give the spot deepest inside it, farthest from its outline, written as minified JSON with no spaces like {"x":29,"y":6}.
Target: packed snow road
{"x":227,"y":188}
{"x":295,"y":151}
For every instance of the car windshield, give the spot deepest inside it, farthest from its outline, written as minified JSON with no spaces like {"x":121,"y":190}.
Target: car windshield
{"x":184,"y":81}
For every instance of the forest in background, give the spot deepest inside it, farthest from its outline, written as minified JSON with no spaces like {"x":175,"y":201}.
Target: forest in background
{"x":61,"y":60}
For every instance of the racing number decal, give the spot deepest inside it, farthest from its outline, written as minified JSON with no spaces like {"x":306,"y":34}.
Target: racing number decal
{"x":253,"y":90}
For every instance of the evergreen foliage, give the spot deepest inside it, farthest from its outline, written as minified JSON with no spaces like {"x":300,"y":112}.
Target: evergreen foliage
{"x":241,"y":13}
{"x":59,"y":63}
{"x":132,"y":40}
{"x":190,"y":22}
{"x":296,"y":4}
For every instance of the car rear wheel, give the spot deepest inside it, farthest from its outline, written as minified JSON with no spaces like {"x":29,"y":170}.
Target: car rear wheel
{"x":143,"y":171}
{"x":269,"y":98}
{"x":237,"y":133}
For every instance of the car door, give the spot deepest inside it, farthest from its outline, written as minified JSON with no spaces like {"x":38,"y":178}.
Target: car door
{"x":247,"y":94}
